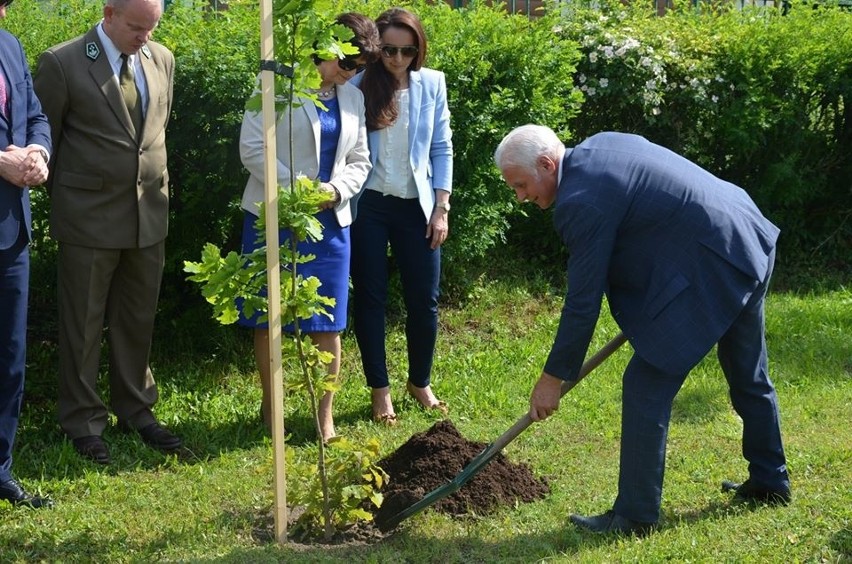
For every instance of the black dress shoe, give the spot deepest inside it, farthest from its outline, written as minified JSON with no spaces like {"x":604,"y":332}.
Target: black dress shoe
{"x":158,"y":437}
{"x":610,"y":522}
{"x":11,"y":491}
{"x":747,"y":491}
{"x":92,"y":447}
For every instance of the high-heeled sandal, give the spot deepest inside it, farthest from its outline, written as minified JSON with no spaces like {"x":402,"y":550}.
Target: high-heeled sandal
{"x":438,"y":406}
{"x":386,"y":419}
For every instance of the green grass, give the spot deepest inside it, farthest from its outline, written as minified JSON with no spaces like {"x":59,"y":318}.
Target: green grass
{"x":216,"y":505}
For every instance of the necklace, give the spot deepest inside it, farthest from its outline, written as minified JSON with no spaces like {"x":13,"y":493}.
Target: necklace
{"x":326,"y":94}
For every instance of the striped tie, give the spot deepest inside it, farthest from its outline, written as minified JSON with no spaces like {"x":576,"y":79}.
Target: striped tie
{"x":4,"y":97}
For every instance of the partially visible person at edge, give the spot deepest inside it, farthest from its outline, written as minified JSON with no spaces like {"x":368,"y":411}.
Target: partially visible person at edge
{"x":23,"y":162}
{"x":684,"y":259}
{"x":405,"y":203}
{"x":108,"y":95}
{"x":329,"y":145}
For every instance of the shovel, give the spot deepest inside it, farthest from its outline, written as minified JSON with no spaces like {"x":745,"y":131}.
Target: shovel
{"x":483,"y":458}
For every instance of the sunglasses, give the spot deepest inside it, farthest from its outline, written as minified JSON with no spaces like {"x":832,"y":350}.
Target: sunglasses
{"x":348,"y":64}
{"x":407,"y":51}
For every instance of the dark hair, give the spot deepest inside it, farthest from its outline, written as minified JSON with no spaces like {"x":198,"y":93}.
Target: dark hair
{"x":378,"y":84}
{"x":366,"y":34}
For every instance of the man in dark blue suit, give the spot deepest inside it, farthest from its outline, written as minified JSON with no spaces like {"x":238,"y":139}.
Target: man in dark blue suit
{"x":684,"y":259}
{"x":25,"y":150}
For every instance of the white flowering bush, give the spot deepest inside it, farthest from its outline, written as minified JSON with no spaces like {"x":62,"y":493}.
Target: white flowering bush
{"x":640,"y":76}
{"x":757,"y":97}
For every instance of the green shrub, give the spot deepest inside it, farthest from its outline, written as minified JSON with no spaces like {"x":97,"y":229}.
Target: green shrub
{"x":217,"y":59}
{"x":757,"y":98}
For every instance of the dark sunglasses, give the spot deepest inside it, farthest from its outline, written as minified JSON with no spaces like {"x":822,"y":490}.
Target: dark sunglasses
{"x":348,"y":64}
{"x":407,"y":51}
{"x":5,"y":3}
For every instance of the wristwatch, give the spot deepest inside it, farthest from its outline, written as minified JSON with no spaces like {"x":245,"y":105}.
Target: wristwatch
{"x":443,"y":206}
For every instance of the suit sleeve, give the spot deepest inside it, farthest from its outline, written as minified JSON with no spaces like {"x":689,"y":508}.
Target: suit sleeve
{"x":589,"y":233}
{"x":252,"y":149}
{"x":50,"y":87}
{"x":441,"y":149}
{"x":171,"y":76}
{"x":38,"y":128}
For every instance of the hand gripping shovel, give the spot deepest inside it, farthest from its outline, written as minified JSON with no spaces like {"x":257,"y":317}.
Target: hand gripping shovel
{"x":483,"y":458}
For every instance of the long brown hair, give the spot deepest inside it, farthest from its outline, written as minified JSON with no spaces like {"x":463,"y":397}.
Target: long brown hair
{"x":378,"y":84}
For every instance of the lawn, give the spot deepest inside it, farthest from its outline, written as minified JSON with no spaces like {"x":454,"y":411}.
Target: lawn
{"x":216,"y":504}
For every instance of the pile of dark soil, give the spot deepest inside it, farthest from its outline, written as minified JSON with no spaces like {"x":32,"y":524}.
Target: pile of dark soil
{"x":434,"y":457}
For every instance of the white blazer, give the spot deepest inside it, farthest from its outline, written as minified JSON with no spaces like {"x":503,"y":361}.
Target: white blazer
{"x":351,"y":163}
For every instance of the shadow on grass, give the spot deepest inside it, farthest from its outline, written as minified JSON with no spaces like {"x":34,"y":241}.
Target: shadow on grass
{"x":698,"y":402}
{"x":407,"y":543}
{"x":40,"y":439}
{"x":841,"y":541}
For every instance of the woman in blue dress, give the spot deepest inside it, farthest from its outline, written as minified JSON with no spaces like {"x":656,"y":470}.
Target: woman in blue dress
{"x":329,"y":145}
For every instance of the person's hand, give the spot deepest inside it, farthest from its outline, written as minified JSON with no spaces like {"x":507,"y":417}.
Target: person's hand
{"x":438,"y":228}
{"x":34,"y":166}
{"x":334,"y":196}
{"x":545,"y":396}
{"x":19,"y":166}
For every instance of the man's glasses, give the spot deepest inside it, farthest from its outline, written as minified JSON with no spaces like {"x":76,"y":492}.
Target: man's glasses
{"x":346,"y":63}
{"x":407,"y":51}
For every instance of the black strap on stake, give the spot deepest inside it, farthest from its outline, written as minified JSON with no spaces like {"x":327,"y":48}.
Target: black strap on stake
{"x":277,"y":68}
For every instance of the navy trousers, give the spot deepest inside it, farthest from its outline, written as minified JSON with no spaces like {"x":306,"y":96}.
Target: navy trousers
{"x":382,"y":221}
{"x":14,"y":288}
{"x":647,"y":397}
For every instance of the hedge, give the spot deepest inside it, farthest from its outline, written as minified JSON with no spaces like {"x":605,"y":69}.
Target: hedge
{"x":758,"y":98}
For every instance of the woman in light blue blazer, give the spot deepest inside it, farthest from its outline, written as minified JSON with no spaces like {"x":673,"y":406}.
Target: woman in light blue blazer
{"x":404,"y":204}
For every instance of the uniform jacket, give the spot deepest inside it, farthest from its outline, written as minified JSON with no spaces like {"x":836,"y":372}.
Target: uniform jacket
{"x":26,"y":125}
{"x":676,"y":250}
{"x":429,"y":136}
{"x":351,"y":162}
{"x":107,"y":189}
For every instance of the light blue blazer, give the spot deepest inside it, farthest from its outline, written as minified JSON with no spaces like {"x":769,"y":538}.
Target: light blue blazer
{"x":429,"y":136}
{"x":677,"y":251}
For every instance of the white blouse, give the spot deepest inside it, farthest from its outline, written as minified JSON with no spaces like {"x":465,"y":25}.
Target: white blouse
{"x":392,"y":172}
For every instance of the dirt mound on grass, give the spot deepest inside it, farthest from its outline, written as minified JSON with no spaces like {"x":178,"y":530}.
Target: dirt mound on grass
{"x":434,"y":457}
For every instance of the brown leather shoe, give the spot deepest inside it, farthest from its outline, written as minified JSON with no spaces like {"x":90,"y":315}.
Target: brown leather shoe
{"x":610,"y":522}
{"x":92,"y":447}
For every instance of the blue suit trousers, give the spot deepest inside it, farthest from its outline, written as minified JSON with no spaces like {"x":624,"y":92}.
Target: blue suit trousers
{"x":647,"y":397}
{"x":14,"y":288}
{"x":382,"y":221}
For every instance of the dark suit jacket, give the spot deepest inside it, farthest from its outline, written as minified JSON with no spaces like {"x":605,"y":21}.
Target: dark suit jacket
{"x":676,"y":250}
{"x":26,"y":125}
{"x":107,"y":189}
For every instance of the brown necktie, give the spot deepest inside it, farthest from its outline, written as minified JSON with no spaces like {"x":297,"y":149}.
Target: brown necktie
{"x":131,"y":95}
